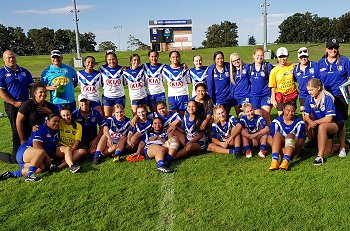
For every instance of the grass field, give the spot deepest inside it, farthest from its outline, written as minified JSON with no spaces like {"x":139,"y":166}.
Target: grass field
{"x":206,"y":192}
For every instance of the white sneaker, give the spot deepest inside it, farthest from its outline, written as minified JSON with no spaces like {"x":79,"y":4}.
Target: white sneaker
{"x":261,"y":155}
{"x":342,"y":152}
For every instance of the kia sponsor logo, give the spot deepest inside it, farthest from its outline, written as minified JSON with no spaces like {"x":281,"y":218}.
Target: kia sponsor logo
{"x":153,"y":81}
{"x":135,"y":86}
{"x":176,"y":84}
{"x":89,"y":89}
{"x":113,"y":82}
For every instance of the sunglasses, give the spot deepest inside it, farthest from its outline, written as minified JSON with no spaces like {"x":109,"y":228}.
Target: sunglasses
{"x":236,"y":60}
{"x":333,"y":48}
{"x":303,"y":51}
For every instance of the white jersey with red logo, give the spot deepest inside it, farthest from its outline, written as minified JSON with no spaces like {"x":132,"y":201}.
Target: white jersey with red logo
{"x":112,"y":81}
{"x":154,"y":78}
{"x":177,"y":80}
{"x":90,"y":84}
{"x":136,"y":83}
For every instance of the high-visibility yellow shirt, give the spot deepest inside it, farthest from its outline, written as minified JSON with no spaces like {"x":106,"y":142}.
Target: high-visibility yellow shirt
{"x":68,"y":135}
{"x":282,"y":79}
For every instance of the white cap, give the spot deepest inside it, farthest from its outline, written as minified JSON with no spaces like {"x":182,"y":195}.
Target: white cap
{"x":56,"y":53}
{"x":81,"y":97}
{"x":282,"y":51}
{"x":303,"y":51}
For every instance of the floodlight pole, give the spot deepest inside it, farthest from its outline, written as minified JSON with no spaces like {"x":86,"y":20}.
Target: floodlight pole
{"x":265,"y":5}
{"x":76,"y":28}
{"x":118,"y":28}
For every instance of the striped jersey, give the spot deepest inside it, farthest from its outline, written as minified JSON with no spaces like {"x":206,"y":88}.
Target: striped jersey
{"x":112,"y":81}
{"x":90,"y":84}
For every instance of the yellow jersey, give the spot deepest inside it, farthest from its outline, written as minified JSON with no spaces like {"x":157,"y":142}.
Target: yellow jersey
{"x":282,"y":79}
{"x":68,"y":135}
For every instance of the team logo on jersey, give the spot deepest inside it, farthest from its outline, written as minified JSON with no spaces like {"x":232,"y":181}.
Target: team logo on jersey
{"x":262,"y":74}
{"x":24,"y":74}
{"x":340,"y":68}
{"x":244,"y":71}
{"x":298,"y":74}
{"x":48,"y":135}
{"x":73,"y":133}
{"x":78,"y":120}
{"x":136,"y":86}
{"x":322,"y":108}
{"x":113,"y":82}
{"x":312,"y":70}
{"x":60,"y":80}
{"x":153,"y":81}
{"x":176,"y":84}
{"x":93,"y":119}
{"x":215,"y":75}
{"x":322,"y":69}
{"x":89,"y":89}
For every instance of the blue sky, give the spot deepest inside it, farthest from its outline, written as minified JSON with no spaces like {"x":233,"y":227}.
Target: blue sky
{"x":100,"y":17}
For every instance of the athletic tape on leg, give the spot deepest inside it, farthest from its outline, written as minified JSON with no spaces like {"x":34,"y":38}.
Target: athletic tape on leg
{"x":289,"y":142}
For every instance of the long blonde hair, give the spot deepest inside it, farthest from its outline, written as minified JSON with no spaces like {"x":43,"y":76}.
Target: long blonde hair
{"x":315,"y":83}
{"x":233,"y":68}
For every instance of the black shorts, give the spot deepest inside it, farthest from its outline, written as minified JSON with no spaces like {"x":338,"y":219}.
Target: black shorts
{"x":340,"y":125}
{"x":301,"y":103}
{"x":341,"y":106}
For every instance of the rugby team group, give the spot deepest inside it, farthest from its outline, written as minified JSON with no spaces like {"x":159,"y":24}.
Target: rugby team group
{"x":55,"y":135}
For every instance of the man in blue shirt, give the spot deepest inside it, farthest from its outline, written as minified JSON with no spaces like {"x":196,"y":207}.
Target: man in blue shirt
{"x":14,"y":90}
{"x":60,"y":79}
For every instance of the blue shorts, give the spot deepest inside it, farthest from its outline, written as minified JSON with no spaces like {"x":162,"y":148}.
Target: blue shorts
{"x":72,"y":106}
{"x":94,"y":104}
{"x":259,"y":101}
{"x":110,"y":102}
{"x":202,"y":143}
{"x":138,"y":102}
{"x":153,"y":99}
{"x":225,"y":105}
{"x":19,"y":155}
{"x":178,"y":102}
{"x":145,"y":154}
{"x":240,"y":101}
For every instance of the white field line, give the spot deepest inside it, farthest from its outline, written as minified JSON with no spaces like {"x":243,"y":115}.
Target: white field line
{"x":166,"y":217}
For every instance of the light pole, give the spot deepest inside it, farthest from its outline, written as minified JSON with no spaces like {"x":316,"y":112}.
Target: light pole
{"x":265,"y":5}
{"x":118,"y":28}
{"x":76,"y":28}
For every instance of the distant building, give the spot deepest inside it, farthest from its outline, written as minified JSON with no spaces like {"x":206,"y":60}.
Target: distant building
{"x":168,"y":35}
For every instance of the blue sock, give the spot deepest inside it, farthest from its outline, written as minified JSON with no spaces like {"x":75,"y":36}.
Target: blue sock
{"x":31,"y":170}
{"x":117,"y":152}
{"x":275,"y":156}
{"x":246,"y":148}
{"x":263,"y":147}
{"x":231,"y":151}
{"x":160,"y":163}
{"x":97,"y":154}
{"x":169,"y":157}
{"x":287,"y":157}
{"x":237,"y":149}
{"x":17,"y":173}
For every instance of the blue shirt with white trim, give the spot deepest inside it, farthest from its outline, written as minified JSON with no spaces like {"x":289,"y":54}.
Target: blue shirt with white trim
{"x":253,"y":125}
{"x":260,"y":80}
{"x":241,"y":88}
{"x":142,"y":127}
{"x":222,"y":132}
{"x":16,"y":83}
{"x":326,"y":108}
{"x":220,"y":89}
{"x":311,"y":71}
{"x":297,"y":127}
{"x":333,"y":76}
{"x":89,"y":124}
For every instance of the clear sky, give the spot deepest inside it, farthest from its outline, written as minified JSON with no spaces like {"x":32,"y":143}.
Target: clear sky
{"x":100,"y":17}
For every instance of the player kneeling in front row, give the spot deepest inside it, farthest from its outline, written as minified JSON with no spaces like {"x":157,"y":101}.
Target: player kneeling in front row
{"x":226,"y":133}
{"x":155,"y":144}
{"x":254,"y":129}
{"x":287,"y":136}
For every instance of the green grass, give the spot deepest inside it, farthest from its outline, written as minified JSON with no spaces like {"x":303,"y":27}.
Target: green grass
{"x":206,"y":192}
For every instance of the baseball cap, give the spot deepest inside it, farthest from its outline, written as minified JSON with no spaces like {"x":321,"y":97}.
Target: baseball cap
{"x":332,"y":42}
{"x":282,"y":51}
{"x":82,"y":97}
{"x":56,"y":53}
{"x":303,"y":51}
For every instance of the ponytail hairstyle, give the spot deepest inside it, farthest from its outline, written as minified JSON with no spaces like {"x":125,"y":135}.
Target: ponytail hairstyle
{"x":66,"y":108}
{"x":233,"y":69}
{"x":219,"y":106}
{"x":316,"y":83}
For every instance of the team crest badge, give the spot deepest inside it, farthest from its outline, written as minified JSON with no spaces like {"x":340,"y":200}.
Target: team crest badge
{"x":340,"y":68}
{"x":93,"y":119}
{"x":262,"y":74}
{"x":73,"y":133}
{"x":312,"y":70}
{"x":244,"y":71}
{"x":322,"y":108}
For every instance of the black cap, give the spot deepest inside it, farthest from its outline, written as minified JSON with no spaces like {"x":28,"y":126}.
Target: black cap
{"x":332,"y":42}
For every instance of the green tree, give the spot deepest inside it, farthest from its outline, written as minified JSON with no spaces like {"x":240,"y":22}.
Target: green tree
{"x":5,"y":39}
{"x":62,"y":40}
{"x":342,"y":26}
{"x":223,"y":35}
{"x":107,"y":45}
{"x":251,"y":40}
{"x":87,"y":42}
{"x":42,"y":40}
{"x":136,"y":44}
{"x":19,"y":43}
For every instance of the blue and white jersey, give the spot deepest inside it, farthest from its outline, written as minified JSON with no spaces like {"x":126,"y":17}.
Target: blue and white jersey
{"x":177,"y":80}
{"x":63,"y":76}
{"x":241,"y":88}
{"x":259,"y":80}
{"x":189,"y":128}
{"x":117,"y":128}
{"x":171,"y":117}
{"x":112,"y":81}
{"x":326,"y":108}
{"x":220,"y":89}
{"x":256,"y":124}
{"x":311,"y":71}
{"x":333,"y":76}
{"x":198,"y":76}
{"x":90,"y":84}
{"x":16,"y":83}
{"x":146,"y":136}
{"x":136,"y":83}
{"x":142,"y":127}
{"x":47,"y":137}
{"x":223,"y":132}
{"x":89,"y":124}
{"x":297,"y":127}
{"x":154,"y":78}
